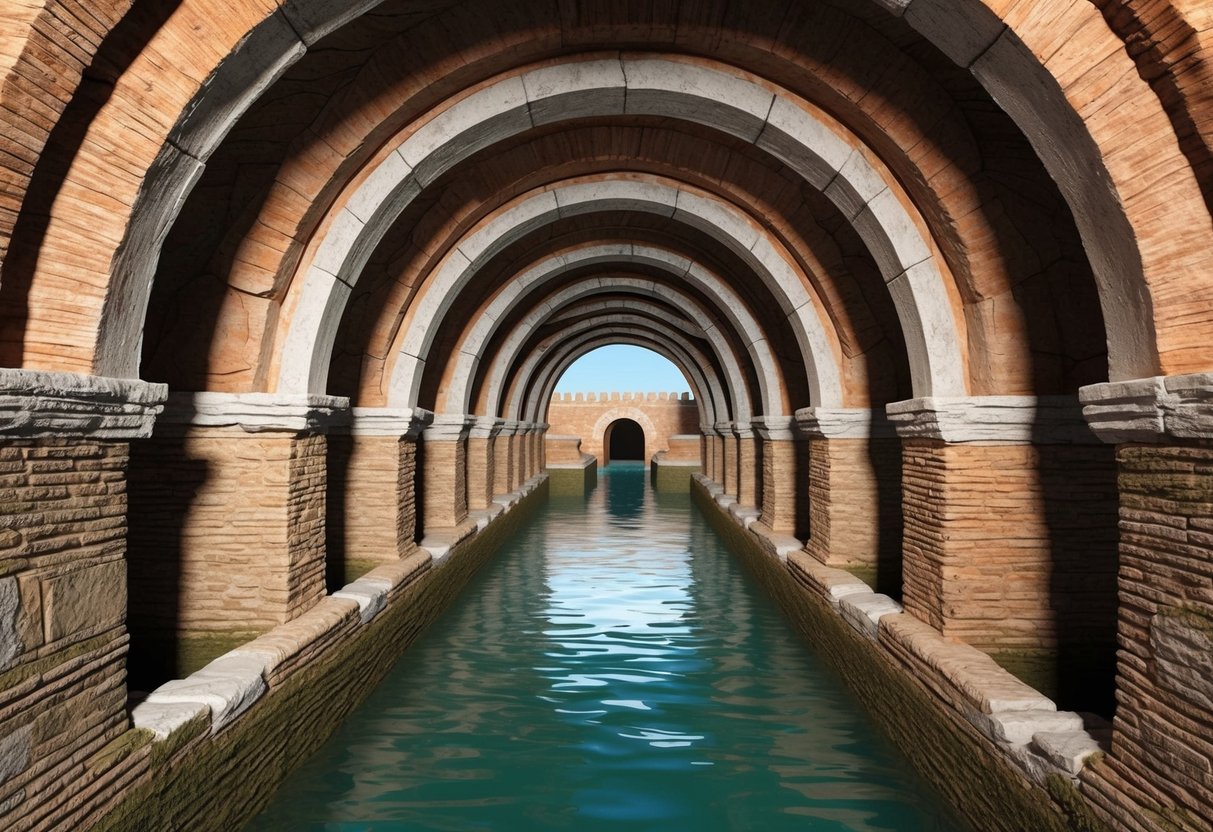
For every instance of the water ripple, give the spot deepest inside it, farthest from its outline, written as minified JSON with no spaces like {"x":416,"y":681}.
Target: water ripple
{"x":612,"y":669}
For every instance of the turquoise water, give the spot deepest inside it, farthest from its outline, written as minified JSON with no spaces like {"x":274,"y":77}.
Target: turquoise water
{"x":611,"y":669}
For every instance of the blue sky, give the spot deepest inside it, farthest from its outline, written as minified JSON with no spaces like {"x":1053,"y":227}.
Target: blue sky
{"x":623,"y":369}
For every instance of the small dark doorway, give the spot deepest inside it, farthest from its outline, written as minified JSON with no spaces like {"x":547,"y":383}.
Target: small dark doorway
{"x":624,"y":440}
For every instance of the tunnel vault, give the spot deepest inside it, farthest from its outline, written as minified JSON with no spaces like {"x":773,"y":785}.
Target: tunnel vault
{"x":286,"y":289}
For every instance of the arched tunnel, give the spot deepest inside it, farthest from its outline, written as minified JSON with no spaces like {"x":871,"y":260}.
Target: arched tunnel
{"x":286,"y":290}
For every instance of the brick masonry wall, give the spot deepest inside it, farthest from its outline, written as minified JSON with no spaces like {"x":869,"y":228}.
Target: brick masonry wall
{"x":785,"y":477}
{"x":683,"y":448}
{"x":63,"y":600}
{"x":1162,"y":755}
{"x":1010,"y":546}
{"x":362,"y":499}
{"x":227,"y":530}
{"x":662,"y":415}
{"x":444,"y":483}
{"x":855,"y":507}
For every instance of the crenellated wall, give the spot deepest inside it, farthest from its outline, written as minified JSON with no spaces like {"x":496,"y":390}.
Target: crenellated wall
{"x":588,"y":415}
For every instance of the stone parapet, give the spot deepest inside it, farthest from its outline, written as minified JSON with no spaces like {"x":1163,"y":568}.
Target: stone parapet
{"x":45,"y":404}
{"x":1157,"y":409}
{"x":1000,"y":419}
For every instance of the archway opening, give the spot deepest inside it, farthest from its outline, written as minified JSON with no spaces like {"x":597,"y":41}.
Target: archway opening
{"x":624,"y":441}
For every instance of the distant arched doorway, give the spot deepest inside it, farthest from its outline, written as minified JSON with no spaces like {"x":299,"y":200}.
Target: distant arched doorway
{"x":624,"y":440}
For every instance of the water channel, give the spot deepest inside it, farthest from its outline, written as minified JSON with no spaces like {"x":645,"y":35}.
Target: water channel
{"x":613,"y":668}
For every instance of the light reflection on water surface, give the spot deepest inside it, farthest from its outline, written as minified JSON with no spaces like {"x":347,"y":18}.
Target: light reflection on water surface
{"x":610,"y":669}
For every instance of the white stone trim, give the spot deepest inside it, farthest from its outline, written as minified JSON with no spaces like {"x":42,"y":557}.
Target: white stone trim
{"x":255,"y":412}
{"x":842,"y":423}
{"x":1154,"y":409}
{"x":448,"y":427}
{"x":1048,"y":420}
{"x":36,"y":404}
{"x":389,"y":421}
{"x":776,"y":428}
{"x":486,"y":427}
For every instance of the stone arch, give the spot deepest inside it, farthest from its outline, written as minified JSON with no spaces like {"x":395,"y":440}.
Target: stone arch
{"x":728,"y":305}
{"x":615,"y":414}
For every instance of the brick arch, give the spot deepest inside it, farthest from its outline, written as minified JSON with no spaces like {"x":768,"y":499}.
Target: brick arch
{"x":637,"y":415}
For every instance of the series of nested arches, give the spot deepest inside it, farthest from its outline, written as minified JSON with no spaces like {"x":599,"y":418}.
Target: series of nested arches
{"x":888,"y":242}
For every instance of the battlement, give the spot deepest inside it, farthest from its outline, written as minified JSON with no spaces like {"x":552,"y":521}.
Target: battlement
{"x":622,"y":397}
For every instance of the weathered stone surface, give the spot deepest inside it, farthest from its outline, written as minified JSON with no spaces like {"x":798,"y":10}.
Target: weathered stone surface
{"x":1018,"y":727}
{"x":164,"y":719}
{"x":84,"y":599}
{"x":34,"y":403}
{"x":1068,"y":750}
{"x":228,"y":686}
{"x":863,"y":611}
{"x":15,"y":753}
{"x":369,"y":593}
{"x":10,"y":637}
{"x":832,"y":584}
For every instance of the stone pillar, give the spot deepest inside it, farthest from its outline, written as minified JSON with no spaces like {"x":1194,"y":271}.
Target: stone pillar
{"x":784,"y":491}
{"x":64,"y":454}
{"x":749,"y":460}
{"x":728,"y":458}
{"x":503,"y":459}
{"x":372,"y":510}
{"x":852,"y":472}
{"x":1009,"y":516}
{"x":1162,"y":431}
{"x":541,"y":433}
{"x":710,"y":454}
{"x":482,"y":469}
{"x":229,"y":509}
{"x":444,"y":472}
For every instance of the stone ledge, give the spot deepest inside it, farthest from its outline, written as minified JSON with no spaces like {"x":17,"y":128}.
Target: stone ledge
{"x":1041,"y":420}
{"x":254,"y":412}
{"x":228,"y":686}
{"x":1153,"y":409}
{"x":402,"y":422}
{"x":843,"y":423}
{"x":1020,"y":723}
{"x":36,"y":404}
{"x":1044,"y":420}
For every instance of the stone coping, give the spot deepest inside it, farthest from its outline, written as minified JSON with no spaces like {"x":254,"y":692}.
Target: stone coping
{"x":1154,"y":409}
{"x":254,"y":412}
{"x":227,"y":687}
{"x":585,"y":462}
{"x":1021,"y":724}
{"x":659,"y":458}
{"x":1047,"y":420}
{"x":36,"y":404}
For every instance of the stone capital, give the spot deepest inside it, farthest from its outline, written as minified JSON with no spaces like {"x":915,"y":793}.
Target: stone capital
{"x":44,"y":404}
{"x":1018,"y":420}
{"x":776,"y":428}
{"x":1154,"y":409}
{"x":448,"y":427}
{"x":403,"y":422}
{"x":708,"y":430}
{"x":724,"y":429}
{"x":743,"y":430}
{"x":843,"y":423}
{"x":255,"y":412}
{"x":486,"y":427}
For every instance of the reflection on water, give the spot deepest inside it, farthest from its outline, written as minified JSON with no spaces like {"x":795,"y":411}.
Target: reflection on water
{"x":612,"y":669}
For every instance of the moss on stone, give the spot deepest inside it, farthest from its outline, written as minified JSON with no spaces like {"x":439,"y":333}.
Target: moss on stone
{"x":672,"y":478}
{"x":355,"y":569}
{"x":221,"y":783}
{"x":119,"y":749}
{"x":948,"y":753}
{"x":195,"y":651}
{"x":1036,"y":668}
{"x":867,"y":574}
{"x":572,"y":482}
{"x":29,"y":670}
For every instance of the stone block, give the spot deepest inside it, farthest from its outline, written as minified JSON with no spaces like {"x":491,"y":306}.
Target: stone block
{"x":1018,"y":727}
{"x":11,"y":645}
{"x":863,"y":611}
{"x":164,"y":719}
{"x":228,"y":686}
{"x":84,"y":599}
{"x":369,"y":593}
{"x":1068,"y":750}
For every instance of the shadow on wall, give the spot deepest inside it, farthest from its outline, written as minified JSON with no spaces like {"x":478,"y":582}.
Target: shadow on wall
{"x":163,"y":482}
